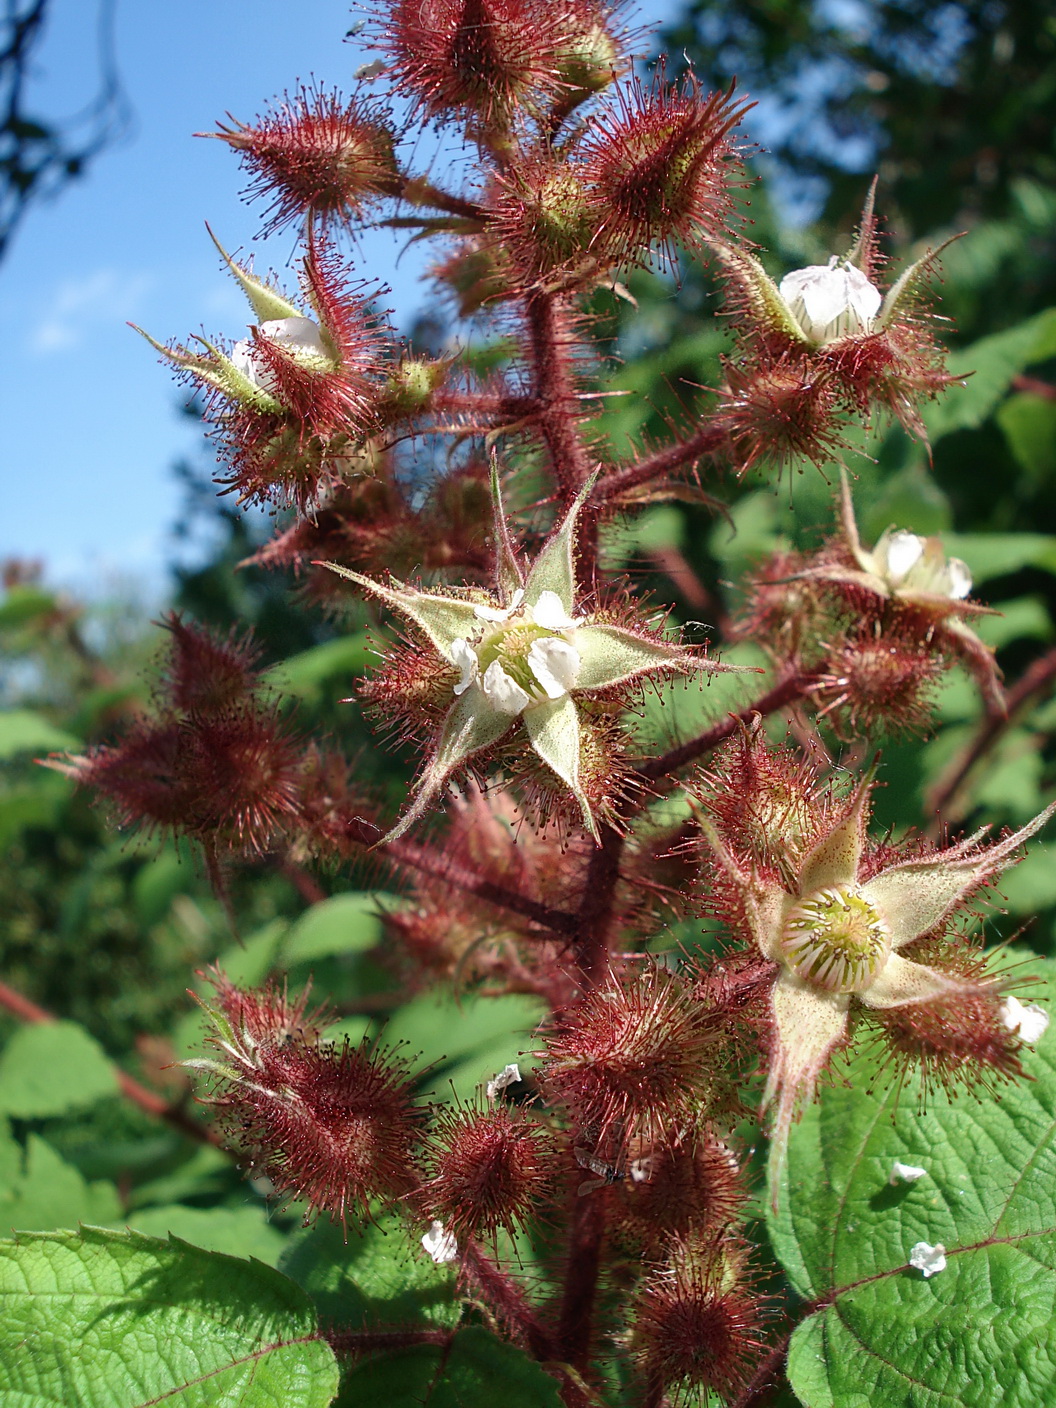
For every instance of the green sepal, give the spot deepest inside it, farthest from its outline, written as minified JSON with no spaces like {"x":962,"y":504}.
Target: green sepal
{"x":899,"y":300}
{"x":764,"y":300}
{"x":444,"y":619}
{"x":267,"y":305}
{"x":835,"y":858}
{"x":554,"y":570}
{"x":470,"y":726}
{"x":553,"y":730}
{"x":609,"y":655}
{"x":217,"y":370}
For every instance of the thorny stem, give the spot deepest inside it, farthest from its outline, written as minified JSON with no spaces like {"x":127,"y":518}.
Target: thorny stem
{"x":786,"y":691}
{"x":505,"y":1299}
{"x":943,"y":799}
{"x":586,"y":1236}
{"x":683,"y":452}
{"x":550,"y":343}
{"x":418,"y":191}
{"x":147,"y":1100}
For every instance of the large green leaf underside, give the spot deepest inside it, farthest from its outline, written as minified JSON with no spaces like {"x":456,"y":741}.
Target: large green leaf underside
{"x":980,"y":1332}
{"x":103,"y":1319}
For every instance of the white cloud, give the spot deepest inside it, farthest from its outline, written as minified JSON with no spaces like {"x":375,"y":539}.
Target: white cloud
{"x":78,"y":307}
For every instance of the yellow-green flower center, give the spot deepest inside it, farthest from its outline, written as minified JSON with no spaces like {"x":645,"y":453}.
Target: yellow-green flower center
{"x":510,"y":647}
{"x":836,"y":940}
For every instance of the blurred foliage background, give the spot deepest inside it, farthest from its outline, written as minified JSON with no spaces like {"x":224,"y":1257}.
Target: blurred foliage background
{"x":953,"y":105}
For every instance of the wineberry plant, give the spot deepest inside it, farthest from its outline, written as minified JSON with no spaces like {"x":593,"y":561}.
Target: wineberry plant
{"x":748,"y":1112}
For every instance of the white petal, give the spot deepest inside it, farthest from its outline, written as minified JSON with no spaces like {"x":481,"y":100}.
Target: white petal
{"x":555,"y":664}
{"x":465,"y":658}
{"x":503,"y":693}
{"x":510,"y":1076}
{"x":829,"y":301}
{"x":927,"y":1258}
{"x":1026,"y":1019}
{"x":500,"y":613}
{"x":903,"y":551}
{"x":550,"y":614}
{"x":906,"y":1173}
{"x":296,"y":335}
{"x":440,"y":1244}
{"x":960,"y":579}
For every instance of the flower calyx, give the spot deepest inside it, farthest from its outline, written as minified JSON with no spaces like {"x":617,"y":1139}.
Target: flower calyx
{"x":522,"y":656}
{"x":838,"y":937}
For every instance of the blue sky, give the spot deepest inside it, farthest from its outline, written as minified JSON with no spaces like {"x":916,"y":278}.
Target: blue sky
{"x":91,"y":420}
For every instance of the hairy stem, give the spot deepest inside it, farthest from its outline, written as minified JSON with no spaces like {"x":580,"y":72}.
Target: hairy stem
{"x":551,"y":342}
{"x":147,"y":1100}
{"x":703,"y":442}
{"x":786,"y":691}
{"x":501,"y":1294}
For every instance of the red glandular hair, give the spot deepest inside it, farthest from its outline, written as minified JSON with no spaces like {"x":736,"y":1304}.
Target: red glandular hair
{"x":489,"y":1169}
{"x":660,"y":167}
{"x":316,"y":154}
{"x":215,"y":763}
{"x":633,"y":1057}
{"x":335,"y":1126}
{"x":697,"y":1324}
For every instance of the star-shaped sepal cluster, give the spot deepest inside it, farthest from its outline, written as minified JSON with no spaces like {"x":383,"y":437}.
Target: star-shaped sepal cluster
{"x":825,"y":341}
{"x":295,"y":401}
{"x":847,"y":940}
{"x":517,"y":664}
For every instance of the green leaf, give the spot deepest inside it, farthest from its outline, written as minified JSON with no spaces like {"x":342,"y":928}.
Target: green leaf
{"x":23,"y":731}
{"x":1029,"y":425}
{"x":844,"y":1234}
{"x":993,"y":362}
{"x":477,"y":1036}
{"x":474,"y":1370}
{"x":113,"y":1318}
{"x":377,"y":1276}
{"x":995,"y":554}
{"x":41,"y":1190}
{"x":21,"y":605}
{"x":53,"y":1067}
{"x":242,"y":1231}
{"x":343,"y":924}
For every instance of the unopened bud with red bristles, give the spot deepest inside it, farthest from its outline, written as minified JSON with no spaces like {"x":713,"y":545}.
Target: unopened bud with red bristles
{"x":316,"y":154}
{"x":687,"y":1182}
{"x":216,"y":763}
{"x":336,"y":1126}
{"x":662,"y":167}
{"x":879,"y":680}
{"x":636,"y":1054}
{"x":490,"y":1169}
{"x":486,"y":59}
{"x":697,"y":1324}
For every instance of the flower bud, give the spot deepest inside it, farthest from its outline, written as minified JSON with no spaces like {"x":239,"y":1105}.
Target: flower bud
{"x":316,"y":155}
{"x":830,"y":301}
{"x":489,"y":1169}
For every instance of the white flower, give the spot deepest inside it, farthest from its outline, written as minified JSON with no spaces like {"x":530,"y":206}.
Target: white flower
{"x":550,"y":614}
{"x":500,"y":613}
{"x":503,"y":692}
{"x":830,"y":300}
{"x":908,"y":563}
{"x":927,"y":1258}
{"x":505,"y":1078}
{"x":555,"y":664}
{"x":465,"y":658}
{"x":906,"y":1173}
{"x":300,"y":337}
{"x":1026,"y":1019}
{"x":440,"y":1244}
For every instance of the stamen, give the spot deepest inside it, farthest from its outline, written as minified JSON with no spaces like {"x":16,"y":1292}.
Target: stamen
{"x":836,"y":940}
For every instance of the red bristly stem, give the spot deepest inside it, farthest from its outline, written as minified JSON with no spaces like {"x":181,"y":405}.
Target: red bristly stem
{"x":550,"y":342}
{"x":147,"y":1100}
{"x":505,"y":1299}
{"x":703,"y":442}
{"x":364,"y":1341}
{"x":427,"y":861}
{"x":785,"y":691}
